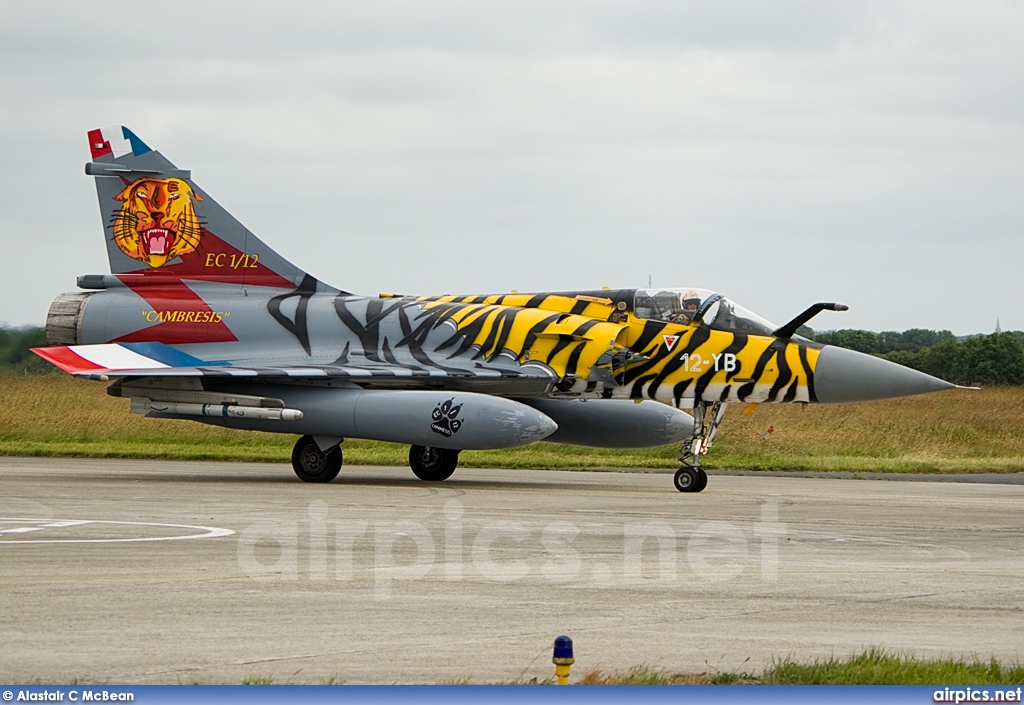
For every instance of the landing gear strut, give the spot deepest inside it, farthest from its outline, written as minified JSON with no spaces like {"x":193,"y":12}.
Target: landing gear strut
{"x":433,"y":464}
{"x":312,"y":464}
{"x":706,"y":418}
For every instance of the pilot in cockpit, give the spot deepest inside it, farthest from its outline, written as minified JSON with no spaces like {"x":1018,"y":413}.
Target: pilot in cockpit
{"x":690,"y":304}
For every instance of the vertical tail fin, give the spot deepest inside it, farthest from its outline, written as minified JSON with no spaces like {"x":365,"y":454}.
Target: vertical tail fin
{"x":158,"y":222}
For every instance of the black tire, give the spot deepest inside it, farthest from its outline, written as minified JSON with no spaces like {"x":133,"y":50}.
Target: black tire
{"x":688,"y":479}
{"x":314,"y":465}
{"x":433,"y":464}
{"x":702,"y":480}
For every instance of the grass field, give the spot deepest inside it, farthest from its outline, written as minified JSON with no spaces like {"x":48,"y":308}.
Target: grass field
{"x":955,"y":431}
{"x":873,"y":666}
{"x":870,"y":667}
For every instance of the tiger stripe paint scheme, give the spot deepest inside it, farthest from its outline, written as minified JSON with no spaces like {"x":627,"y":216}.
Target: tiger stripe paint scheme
{"x":582,"y":345}
{"x":629,"y":358}
{"x":198,"y":311}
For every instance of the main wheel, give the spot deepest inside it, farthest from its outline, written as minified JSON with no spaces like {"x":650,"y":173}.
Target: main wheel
{"x":691,"y":479}
{"x":433,"y":464}
{"x":314,"y":465}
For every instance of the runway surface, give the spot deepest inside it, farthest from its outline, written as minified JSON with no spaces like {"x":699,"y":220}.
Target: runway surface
{"x":127,"y":571}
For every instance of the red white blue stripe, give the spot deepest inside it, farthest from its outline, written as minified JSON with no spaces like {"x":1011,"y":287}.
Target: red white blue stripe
{"x":110,"y":357}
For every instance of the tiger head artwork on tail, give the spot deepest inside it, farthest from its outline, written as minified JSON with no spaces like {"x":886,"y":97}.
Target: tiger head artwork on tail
{"x":158,"y":220}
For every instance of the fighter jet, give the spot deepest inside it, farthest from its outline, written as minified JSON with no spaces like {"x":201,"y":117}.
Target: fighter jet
{"x":199,"y":319}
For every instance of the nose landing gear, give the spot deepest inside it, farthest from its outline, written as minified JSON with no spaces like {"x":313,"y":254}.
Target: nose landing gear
{"x":707,"y":416}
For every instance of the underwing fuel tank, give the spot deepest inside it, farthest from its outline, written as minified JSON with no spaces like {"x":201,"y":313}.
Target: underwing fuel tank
{"x":614,"y":423}
{"x":458,"y":420}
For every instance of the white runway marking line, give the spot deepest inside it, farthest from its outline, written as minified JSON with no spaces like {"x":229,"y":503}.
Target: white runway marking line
{"x":207,"y":532}
{"x":26,"y":530}
{"x":55,"y":525}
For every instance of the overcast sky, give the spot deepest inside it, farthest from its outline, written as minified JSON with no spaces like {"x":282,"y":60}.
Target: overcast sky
{"x":782,"y":153}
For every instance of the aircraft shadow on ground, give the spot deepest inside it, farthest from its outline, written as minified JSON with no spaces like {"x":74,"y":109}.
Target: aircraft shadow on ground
{"x":454,"y":483}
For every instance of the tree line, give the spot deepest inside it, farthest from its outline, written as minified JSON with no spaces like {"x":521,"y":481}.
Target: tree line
{"x":982,"y":359}
{"x":979,"y":359}
{"x":15,"y":355}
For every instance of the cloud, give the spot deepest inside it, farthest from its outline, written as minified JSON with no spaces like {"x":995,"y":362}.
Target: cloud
{"x":781,"y":153}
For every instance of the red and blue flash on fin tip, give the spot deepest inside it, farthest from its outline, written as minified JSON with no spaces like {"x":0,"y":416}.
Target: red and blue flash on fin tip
{"x":117,"y":141}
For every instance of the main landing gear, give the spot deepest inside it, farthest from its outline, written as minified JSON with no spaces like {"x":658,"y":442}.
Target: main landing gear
{"x":313,"y":464}
{"x":706,"y":418}
{"x":433,"y":464}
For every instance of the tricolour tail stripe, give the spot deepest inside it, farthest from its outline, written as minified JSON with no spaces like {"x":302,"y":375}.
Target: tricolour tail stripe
{"x":168,"y":355}
{"x":118,"y":356}
{"x":66,"y":359}
{"x":91,"y":358}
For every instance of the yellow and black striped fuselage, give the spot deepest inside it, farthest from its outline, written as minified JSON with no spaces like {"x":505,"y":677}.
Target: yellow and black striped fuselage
{"x":597,"y":347}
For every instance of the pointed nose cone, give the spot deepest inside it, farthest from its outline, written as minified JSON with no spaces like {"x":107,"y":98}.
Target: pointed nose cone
{"x":842,"y":375}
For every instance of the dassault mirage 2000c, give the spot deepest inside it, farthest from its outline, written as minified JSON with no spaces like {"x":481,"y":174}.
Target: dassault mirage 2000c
{"x":200,"y":320}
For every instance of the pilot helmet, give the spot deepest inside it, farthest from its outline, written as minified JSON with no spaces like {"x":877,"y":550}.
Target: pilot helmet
{"x":691,"y":301}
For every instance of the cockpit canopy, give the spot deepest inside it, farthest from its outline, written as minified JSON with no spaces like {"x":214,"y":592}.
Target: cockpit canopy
{"x":701,"y":307}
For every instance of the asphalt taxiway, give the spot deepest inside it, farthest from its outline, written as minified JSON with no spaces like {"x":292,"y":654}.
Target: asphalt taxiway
{"x":130,"y":571}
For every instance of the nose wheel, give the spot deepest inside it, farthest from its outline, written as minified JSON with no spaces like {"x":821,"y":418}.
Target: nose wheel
{"x":691,"y":479}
